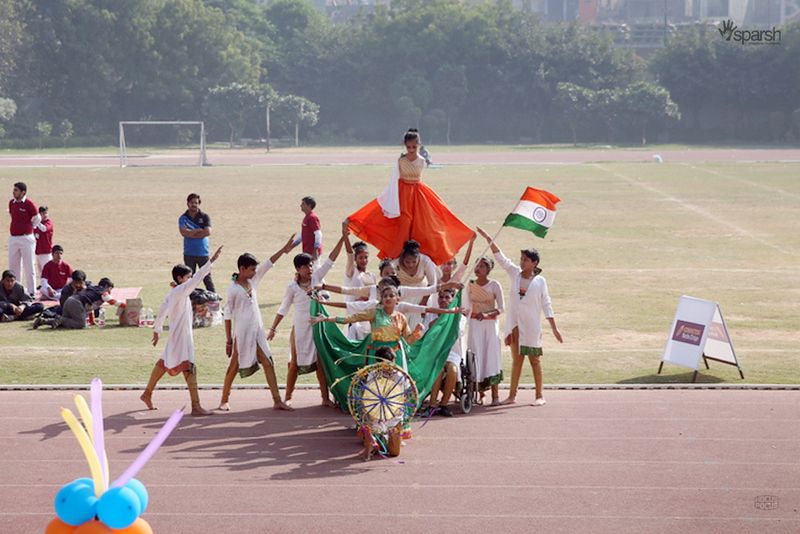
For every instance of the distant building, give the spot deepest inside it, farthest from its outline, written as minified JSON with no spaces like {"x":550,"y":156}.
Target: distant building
{"x":645,"y":13}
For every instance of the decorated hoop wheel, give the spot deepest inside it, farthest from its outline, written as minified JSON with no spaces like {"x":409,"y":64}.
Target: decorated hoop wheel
{"x":381,"y":396}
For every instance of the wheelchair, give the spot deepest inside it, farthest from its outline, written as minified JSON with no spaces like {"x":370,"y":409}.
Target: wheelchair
{"x":467,"y":390}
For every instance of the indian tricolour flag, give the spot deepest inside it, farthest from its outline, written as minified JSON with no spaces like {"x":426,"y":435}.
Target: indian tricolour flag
{"x":535,"y":212}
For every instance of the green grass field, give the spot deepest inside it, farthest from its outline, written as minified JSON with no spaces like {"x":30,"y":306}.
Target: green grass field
{"x":629,"y":240}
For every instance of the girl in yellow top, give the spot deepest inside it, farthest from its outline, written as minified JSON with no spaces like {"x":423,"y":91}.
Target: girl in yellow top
{"x":387,"y":324}
{"x":486,"y":301}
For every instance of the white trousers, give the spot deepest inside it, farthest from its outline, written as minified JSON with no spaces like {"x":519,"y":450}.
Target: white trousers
{"x":41,"y":261}
{"x":21,"y":255}
{"x":48,"y":293}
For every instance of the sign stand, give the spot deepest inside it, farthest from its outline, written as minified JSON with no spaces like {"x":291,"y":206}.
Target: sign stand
{"x":698,"y":331}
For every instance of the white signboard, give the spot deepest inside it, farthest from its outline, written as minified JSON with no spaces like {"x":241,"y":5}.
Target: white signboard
{"x":698,"y":331}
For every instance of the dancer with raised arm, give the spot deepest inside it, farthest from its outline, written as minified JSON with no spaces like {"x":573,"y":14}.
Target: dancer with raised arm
{"x":528,"y":300}
{"x":301,"y":340}
{"x":246,"y":344}
{"x":178,"y":355}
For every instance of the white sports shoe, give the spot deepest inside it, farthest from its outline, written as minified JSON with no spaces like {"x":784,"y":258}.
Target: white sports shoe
{"x":539,"y":402}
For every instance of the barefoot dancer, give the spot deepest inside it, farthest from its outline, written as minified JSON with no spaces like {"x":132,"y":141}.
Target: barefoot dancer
{"x":486,"y":299}
{"x":528,"y":300}
{"x":301,"y":340}
{"x":178,"y":355}
{"x":246,"y":344}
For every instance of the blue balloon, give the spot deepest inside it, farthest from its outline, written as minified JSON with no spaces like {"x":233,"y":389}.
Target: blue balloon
{"x":141,"y":492}
{"x":87,"y":481}
{"x":75,"y":503}
{"x":118,"y":508}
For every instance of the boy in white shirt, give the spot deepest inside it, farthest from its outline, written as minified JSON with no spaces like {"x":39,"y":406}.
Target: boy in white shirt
{"x":178,"y":355}
{"x":247,"y":343}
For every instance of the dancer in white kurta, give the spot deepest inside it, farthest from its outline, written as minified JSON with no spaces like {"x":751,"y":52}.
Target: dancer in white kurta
{"x":366,"y":297}
{"x":452,"y":270}
{"x":529,"y":299}
{"x":413,"y":269}
{"x":247,"y":344}
{"x":304,"y":351}
{"x":357,"y":275}
{"x":486,"y":305}
{"x":178,"y":354}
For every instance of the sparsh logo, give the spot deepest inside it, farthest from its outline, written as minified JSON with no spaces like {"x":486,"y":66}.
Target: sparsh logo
{"x":730,"y":31}
{"x":727,"y":29}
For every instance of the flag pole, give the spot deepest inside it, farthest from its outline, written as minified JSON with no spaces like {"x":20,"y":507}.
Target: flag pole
{"x":488,"y":246}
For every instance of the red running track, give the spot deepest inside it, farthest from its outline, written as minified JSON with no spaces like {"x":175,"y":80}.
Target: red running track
{"x":589,"y":461}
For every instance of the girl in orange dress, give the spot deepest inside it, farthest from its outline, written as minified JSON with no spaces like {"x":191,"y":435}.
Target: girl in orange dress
{"x":409,"y":209}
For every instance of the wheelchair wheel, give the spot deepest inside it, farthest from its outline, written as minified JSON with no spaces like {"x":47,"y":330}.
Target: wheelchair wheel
{"x":466,"y":398}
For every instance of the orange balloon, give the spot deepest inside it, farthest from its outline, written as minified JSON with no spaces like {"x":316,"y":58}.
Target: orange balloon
{"x":57,"y":526}
{"x":93,"y":527}
{"x":140,"y":526}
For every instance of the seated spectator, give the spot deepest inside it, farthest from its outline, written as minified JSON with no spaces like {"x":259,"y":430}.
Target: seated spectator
{"x":76,"y":285}
{"x":78,"y":305}
{"x":55,"y":275}
{"x":15,"y":304}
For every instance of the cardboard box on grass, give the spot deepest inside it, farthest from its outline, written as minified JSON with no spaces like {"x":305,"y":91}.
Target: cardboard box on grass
{"x":131,"y":312}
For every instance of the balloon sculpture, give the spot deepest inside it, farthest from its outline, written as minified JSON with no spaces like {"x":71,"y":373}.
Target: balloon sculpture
{"x":92,"y":505}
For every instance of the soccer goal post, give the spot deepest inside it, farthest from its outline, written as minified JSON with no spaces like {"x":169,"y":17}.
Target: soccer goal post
{"x":162,"y":143}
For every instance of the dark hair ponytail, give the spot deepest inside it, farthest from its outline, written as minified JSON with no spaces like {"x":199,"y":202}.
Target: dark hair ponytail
{"x":412,"y":134}
{"x":245,"y":260}
{"x":410,"y":248}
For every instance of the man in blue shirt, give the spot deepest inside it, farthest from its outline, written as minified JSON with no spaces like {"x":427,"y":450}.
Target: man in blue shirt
{"x":195,"y":227}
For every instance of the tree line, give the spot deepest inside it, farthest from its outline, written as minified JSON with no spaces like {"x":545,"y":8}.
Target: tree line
{"x":461,"y":71}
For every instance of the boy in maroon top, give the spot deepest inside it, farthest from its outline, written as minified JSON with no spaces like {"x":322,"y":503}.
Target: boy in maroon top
{"x":55,"y":275}
{"x":21,"y":243}
{"x":43,"y":233}
{"x":311,"y":232}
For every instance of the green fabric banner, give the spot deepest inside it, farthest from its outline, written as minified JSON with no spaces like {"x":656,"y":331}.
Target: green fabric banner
{"x":342,"y":357}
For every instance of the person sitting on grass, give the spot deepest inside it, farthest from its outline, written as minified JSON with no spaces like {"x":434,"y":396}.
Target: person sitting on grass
{"x":55,"y":275}
{"x":15,"y":303}
{"x":79,"y":307}
{"x":76,"y":285}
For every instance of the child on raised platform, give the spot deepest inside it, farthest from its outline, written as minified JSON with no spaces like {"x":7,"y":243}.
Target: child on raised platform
{"x":178,"y":355}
